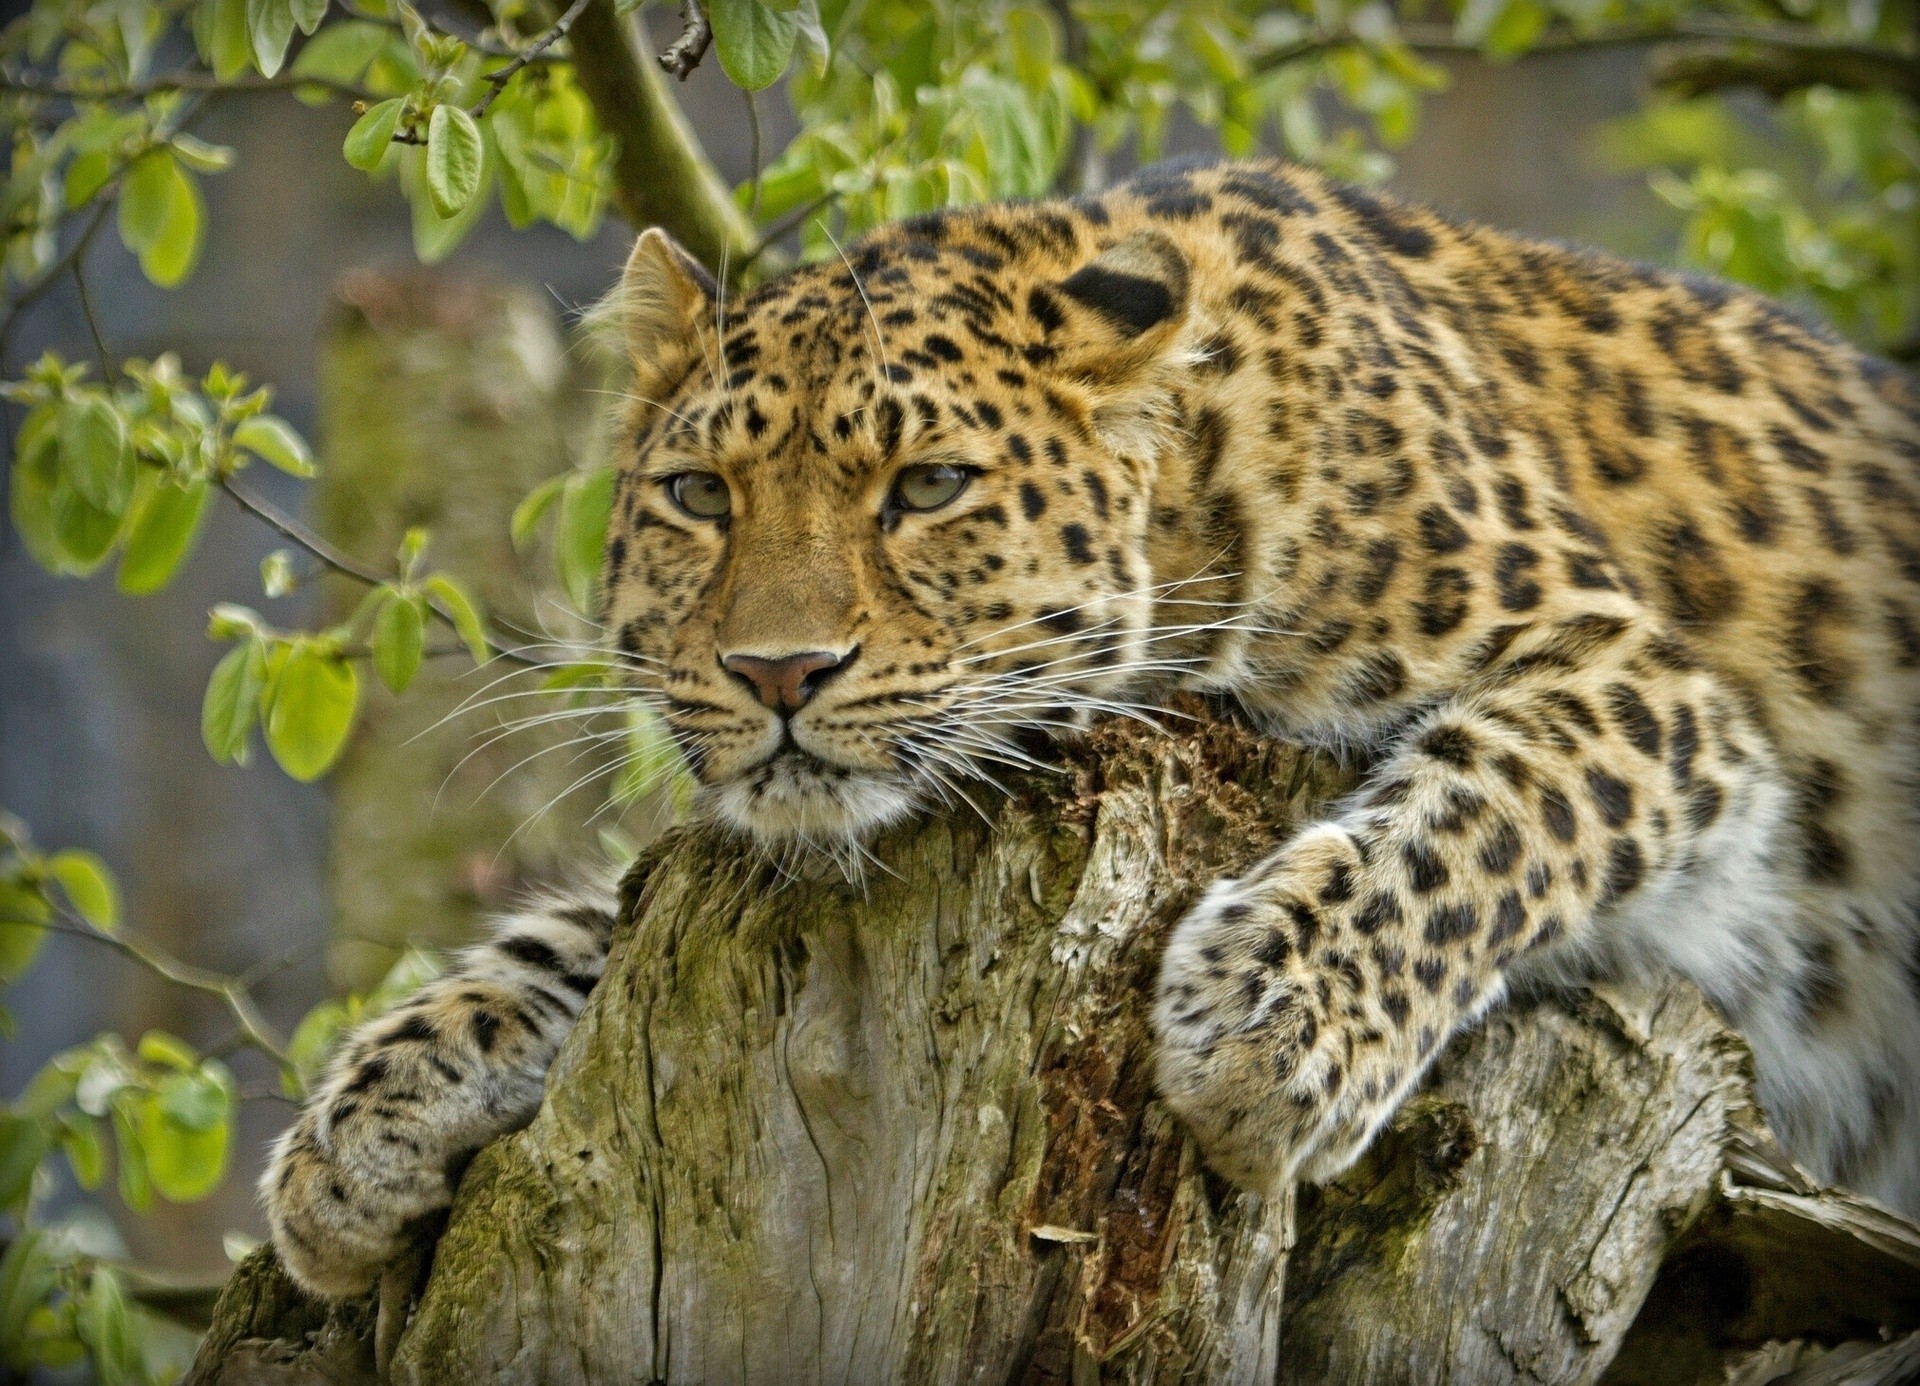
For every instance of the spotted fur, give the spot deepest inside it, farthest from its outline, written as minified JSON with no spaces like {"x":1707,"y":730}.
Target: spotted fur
{"x":1614,"y":576}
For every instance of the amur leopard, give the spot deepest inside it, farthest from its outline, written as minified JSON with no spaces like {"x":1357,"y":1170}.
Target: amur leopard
{"x":1612,"y":575}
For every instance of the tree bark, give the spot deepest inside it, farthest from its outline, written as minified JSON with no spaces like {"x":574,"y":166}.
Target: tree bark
{"x":806,"y":1132}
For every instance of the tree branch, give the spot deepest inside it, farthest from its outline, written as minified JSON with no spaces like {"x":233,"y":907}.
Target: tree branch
{"x":497,"y":79}
{"x":51,"y":275}
{"x":1694,"y":69}
{"x":662,"y":175}
{"x":292,"y":530}
{"x":31,"y":84}
{"x":230,"y":990}
{"x":1857,"y":66}
{"x":683,"y":55}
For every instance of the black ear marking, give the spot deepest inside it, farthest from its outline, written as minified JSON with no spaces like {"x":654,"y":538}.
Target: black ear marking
{"x":1136,"y":285}
{"x":1132,"y":303}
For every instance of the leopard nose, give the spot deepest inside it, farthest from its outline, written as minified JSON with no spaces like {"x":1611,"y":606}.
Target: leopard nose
{"x":786,"y":683}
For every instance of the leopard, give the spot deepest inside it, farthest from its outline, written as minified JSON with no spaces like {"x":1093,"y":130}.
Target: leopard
{"x":1608,"y":576}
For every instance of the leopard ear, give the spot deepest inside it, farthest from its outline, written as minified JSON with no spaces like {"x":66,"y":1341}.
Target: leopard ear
{"x":1129,"y":304}
{"x":665,"y":299}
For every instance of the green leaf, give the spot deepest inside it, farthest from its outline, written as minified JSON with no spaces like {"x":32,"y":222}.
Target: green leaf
{"x":200,"y":156}
{"x":535,"y":504}
{"x":89,"y":886}
{"x":195,"y":1100}
{"x":22,"y":913}
{"x":36,"y":477}
{"x":106,"y":1325}
{"x":161,"y":217}
{"x":170,"y":1051}
{"x":341,"y":52}
{"x":312,"y":711}
{"x":220,"y":30}
{"x":454,"y":158}
{"x":95,"y":455}
{"x":86,"y":175}
{"x":580,"y":533}
{"x":313,"y":1039}
{"x":277,"y":575}
{"x":164,"y":529}
{"x":270,"y":27}
{"x":273,"y":438}
{"x":399,"y":639}
{"x":136,"y":1186}
{"x":755,"y":41}
{"x":28,"y":1274}
{"x":463,"y":612}
{"x":1030,"y":35}
{"x":84,"y":531}
{"x":232,"y":702}
{"x":367,"y":141}
{"x":23,"y":1144}
{"x":85,"y":1148}
{"x":308,"y":14}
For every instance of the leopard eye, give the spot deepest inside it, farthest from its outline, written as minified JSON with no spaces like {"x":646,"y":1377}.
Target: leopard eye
{"x":702,"y":495}
{"x":928,"y":487}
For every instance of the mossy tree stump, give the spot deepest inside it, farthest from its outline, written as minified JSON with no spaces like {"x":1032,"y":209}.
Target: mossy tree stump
{"x":808,"y":1132}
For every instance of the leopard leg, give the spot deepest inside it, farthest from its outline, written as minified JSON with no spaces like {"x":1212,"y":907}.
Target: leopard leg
{"x":409,"y":1097}
{"x":1299,"y":1004}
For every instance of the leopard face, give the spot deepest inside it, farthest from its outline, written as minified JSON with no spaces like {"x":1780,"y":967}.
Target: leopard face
{"x":857,"y":564}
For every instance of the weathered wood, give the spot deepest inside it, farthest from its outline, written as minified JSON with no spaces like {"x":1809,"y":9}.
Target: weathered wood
{"x":806,"y":1132}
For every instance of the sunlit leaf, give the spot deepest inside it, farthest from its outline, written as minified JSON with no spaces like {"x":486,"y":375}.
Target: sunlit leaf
{"x":270,"y":28}
{"x":535,"y":504}
{"x":232,"y":702}
{"x":163,"y":531}
{"x":399,"y":639}
{"x":367,"y":141}
{"x":273,"y":438}
{"x":580,"y":533}
{"x":754,"y":40}
{"x":95,"y":454}
{"x":23,"y":912}
{"x":89,"y":886}
{"x":463,"y":611}
{"x":23,"y":1144}
{"x":454,"y":157}
{"x":312,"y":711}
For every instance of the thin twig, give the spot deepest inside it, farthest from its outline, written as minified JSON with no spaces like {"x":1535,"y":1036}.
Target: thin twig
{"x":1441,"y":39}
{"x":753,"y":129}
{"x":497,"y":79}
{"x":196,"y":80}
{"x":93,"y":323}
{"x":785,"y":227}
{"x":683,"y":55}
{"x":292,"y":530}
{"x":229,"y":990}
{"x":50,"y":276}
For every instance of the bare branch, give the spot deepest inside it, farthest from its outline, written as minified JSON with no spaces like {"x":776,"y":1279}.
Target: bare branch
{"x":195,"y":80}
{"x":497,"y":80}
{"x":292,"y":530}
{"x":685,"y":52}
{"x":662,"y":175}
{"x":231,"y":991}
{"x":1694,"y":69}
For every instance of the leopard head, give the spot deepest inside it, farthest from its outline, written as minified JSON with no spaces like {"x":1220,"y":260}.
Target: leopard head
{"x":883,"y":520}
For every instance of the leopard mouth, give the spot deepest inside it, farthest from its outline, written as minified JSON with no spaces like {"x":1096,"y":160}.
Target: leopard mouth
{"x":796,"y":794}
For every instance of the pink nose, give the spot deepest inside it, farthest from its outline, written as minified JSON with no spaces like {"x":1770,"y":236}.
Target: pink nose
{"x":784,"y":684}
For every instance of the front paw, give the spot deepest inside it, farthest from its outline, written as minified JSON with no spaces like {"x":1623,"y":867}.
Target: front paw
{"x":339,"y":1227}
{"x":1280,"y":1045}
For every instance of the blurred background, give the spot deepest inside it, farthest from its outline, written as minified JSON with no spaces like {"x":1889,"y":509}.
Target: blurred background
{"x":308,"y":280}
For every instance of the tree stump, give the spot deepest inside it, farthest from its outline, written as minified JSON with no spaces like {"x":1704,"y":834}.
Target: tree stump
{"x":812,"y":1132}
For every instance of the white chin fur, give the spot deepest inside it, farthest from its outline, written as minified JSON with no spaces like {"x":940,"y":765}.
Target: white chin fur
{"x":784,"y":801}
